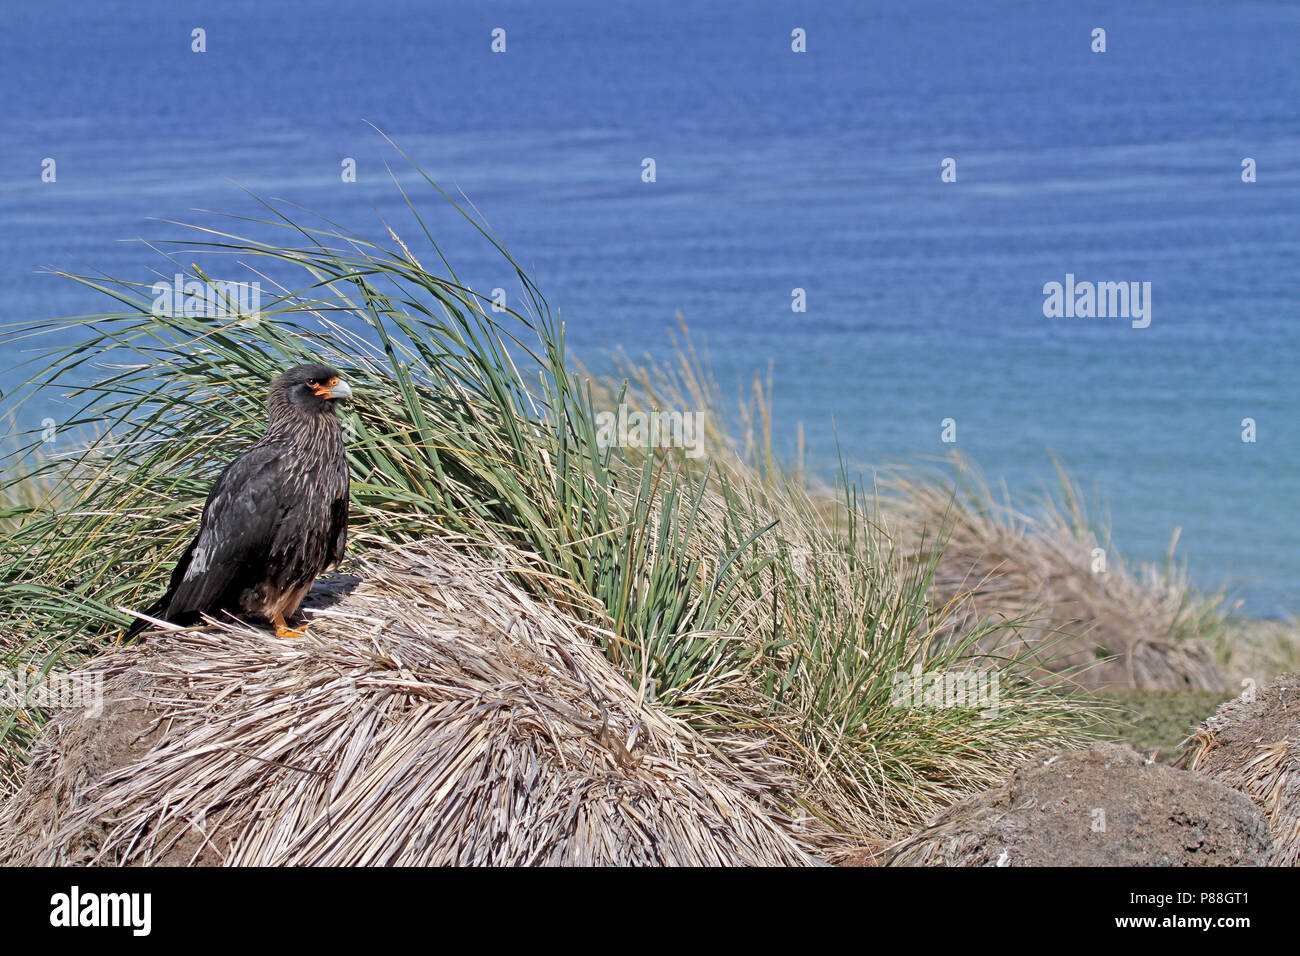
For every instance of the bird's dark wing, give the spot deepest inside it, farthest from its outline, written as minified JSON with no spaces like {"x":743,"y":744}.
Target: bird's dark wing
{"x":339,"y":527}
{"x":235,"y":533}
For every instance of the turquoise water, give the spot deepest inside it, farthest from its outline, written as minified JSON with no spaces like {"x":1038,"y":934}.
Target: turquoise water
{"x":775,"y":171}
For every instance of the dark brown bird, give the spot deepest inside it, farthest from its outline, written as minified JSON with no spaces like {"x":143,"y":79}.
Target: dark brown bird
{"x":275,"y":518}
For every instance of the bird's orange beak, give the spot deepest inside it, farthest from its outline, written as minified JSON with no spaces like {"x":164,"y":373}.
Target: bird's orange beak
{"x":334,"y":388}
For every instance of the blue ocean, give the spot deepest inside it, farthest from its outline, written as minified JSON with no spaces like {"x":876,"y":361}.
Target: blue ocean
{"x":801,"y":212}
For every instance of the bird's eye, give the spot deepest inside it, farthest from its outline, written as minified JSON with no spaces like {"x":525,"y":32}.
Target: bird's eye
{"x":311,"y":382}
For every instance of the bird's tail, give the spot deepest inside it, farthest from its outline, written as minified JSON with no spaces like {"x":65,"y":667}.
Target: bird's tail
{"x":139,"y":624}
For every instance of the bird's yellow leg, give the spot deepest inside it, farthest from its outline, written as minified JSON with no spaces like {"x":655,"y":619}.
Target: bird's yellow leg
{"x":285,"y":632}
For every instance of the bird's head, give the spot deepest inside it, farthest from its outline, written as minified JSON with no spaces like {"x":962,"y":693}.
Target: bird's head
{"x":308,"y":388}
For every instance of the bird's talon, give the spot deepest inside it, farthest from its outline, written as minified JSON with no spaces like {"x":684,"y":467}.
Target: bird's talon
{"x":287,"y":633}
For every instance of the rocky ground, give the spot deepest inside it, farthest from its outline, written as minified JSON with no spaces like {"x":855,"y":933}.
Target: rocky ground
{"x":1231,"y":796}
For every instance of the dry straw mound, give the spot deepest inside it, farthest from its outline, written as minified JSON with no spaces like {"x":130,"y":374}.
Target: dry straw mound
{"x":1117,"y":629}
{"x":436,"y":714}
{"x":1254,"y":746}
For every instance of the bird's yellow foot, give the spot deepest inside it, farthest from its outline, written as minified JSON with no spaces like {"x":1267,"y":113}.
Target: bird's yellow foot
{"x":287,"y":633}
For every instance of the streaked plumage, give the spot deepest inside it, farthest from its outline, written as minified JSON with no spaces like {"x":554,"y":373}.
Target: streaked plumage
{"x":275,"y":518}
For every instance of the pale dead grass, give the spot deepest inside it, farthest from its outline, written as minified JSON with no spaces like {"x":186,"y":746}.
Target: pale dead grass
{"x":437,"y":714}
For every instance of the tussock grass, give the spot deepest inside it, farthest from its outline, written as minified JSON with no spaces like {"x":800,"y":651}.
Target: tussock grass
{"x":840,"y":610}
{"x":734,"y":594}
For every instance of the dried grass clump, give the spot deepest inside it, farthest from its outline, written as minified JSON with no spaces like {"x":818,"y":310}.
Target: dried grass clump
{"x":1258,"y":649}
{"x":1120,"y":628}
{"x":436,"y":714}
{"x":1253,"y":746}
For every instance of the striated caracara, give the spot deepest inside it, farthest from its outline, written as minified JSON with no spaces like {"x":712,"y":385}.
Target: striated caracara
{"x":275,"y":518}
